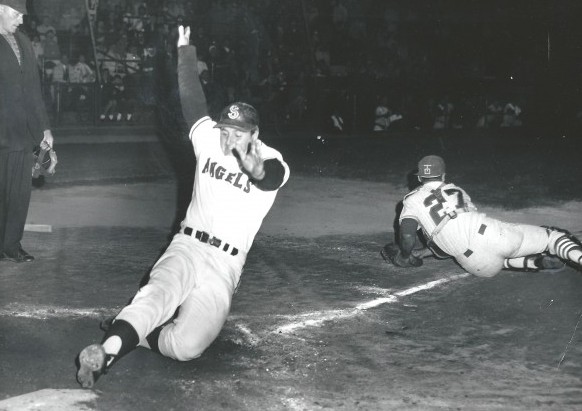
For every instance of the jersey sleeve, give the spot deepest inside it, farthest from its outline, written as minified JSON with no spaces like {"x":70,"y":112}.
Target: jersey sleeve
{"x":269,"y":153}
{"x":201,"y":131}
{"x":409,"y":209}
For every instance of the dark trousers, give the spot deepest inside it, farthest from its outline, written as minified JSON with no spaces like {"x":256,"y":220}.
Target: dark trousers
{"x":15,"y":189}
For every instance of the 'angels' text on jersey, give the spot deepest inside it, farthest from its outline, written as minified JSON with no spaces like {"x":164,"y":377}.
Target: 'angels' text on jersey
{"x":220,"y":173}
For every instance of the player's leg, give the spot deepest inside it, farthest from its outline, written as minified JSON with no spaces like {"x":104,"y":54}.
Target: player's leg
{"x":95,"y":359}
{"x":171,"y":280}
{"x":198,"y":323}
{"x":564,"y":245}
{"x":534,"y":263}
{"x":548,"y":240}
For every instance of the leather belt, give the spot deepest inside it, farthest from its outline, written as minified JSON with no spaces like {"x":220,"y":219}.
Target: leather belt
{"x":204,"y":237}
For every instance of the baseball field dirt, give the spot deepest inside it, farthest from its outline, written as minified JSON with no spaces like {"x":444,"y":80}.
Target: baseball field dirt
{"x":320,"y":321}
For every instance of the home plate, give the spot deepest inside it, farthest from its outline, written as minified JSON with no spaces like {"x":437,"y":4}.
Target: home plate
{"x":51,"y":400}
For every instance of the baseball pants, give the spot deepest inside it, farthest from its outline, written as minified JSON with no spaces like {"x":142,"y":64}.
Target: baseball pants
{"x":198,"y":280}
{"x":494,"y":241}
{"x":15,"y":192}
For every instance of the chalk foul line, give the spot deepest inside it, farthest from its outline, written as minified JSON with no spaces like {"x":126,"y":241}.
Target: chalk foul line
{"x":318,"y":318}
{"x":304,"y":320}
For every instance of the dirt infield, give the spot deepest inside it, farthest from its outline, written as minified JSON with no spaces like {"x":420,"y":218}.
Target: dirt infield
{"x":319,"y":322}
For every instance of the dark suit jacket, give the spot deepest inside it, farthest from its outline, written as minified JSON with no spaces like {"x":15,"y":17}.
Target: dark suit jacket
{"x":23,"y":116}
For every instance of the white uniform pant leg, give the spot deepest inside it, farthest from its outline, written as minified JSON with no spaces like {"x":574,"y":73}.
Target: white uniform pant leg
{"x":200,"y":319}
{"x":500,"y":240}
{"x":171,"y":281}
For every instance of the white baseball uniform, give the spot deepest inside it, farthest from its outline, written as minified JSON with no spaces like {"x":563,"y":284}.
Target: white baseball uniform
{"x":480,"y":244}
{"x":200,"y":270}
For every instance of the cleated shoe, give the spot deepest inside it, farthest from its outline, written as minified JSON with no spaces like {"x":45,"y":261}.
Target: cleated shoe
{"x":91,"y":365}
{"x":549,"y":264}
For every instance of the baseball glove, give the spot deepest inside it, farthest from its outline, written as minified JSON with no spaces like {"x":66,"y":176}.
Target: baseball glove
{"x":391,"y":254}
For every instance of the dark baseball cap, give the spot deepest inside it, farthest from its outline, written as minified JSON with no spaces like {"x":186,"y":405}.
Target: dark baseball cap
{"x":239,"y":115}
{"x":18,"y":5}
{"x":431,"y":166}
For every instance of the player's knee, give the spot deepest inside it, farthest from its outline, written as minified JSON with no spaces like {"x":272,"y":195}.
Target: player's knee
{"x":485,"y":273}
{"x":485,"y":270}
{"x":187,"y":351}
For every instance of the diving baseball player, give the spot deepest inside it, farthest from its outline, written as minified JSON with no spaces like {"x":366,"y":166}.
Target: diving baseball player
{"x":483,"y":246}
{"x":184,"y":305}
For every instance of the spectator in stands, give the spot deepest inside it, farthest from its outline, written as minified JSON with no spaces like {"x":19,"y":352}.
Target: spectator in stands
{"x":61,"y":92}
{"x":105,"y":95}
{"x":511,"y":113}
{"x":383,"y":115}
{"x":492,"y":116}
{"x":29,"y":26}
{"x":442,"y":114}
{"x":339,"y":15}
{"x":50,"y":45}
{"x":114,"y":59}
{"x":62,"y":69}
{"x":81,"y":72}
{"x":174,"y":10}
{"x":44,"y":27}
{"x":142,"y":22}
{"x":38,"y":49}
{"x":119,"y":104}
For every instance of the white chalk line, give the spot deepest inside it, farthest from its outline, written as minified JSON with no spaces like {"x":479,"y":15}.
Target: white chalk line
{"x":51,"y":400}
{"x":304,"y":320}
{"x":45,"y":312}
{"x":323,"y":316}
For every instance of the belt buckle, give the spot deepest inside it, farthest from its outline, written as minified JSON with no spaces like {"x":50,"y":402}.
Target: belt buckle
{"x":214,"y":241}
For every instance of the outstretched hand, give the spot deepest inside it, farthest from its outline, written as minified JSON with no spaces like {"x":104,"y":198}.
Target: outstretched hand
{"x":183,"y":36}
{"x":250,"y":160}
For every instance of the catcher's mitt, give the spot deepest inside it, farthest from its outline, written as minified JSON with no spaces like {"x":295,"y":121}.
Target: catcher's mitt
{"x":391,"y":254}
{"x":44,"y":163}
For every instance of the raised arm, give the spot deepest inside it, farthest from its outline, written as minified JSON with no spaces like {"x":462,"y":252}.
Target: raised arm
{"x":192,"y":96}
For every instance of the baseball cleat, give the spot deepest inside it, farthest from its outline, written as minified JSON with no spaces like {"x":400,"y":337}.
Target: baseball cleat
{"x":550,"y":264}
{"x":91,"y":365}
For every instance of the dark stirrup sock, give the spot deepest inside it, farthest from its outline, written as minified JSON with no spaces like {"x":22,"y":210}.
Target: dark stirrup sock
{"x":128,"y":336}
{"x":153,"y":339}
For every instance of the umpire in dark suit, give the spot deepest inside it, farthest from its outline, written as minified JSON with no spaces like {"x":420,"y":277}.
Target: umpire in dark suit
{"x":24,"y":124}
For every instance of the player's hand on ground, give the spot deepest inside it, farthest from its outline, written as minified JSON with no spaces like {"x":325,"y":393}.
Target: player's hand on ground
{"x":183,"y":36}
{"x":250,"y":160}
{"x":411,"y":261}
{"x":391,"y":254}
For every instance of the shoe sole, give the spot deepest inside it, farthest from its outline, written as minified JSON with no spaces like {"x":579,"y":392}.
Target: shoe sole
{"x":91,"y":362}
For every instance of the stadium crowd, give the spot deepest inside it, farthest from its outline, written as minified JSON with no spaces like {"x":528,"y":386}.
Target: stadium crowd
{"x":335,"y":64}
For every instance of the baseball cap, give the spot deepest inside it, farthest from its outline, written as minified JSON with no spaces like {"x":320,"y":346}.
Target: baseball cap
{"x":431,"y":166}
{"x":239,"y":115}
{"x":18,"y":5}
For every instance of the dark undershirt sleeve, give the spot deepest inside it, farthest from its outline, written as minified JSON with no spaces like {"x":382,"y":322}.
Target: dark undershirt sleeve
{"x":192,"y":97}
{"x":408,"y":228}
{"x":274,"y":175}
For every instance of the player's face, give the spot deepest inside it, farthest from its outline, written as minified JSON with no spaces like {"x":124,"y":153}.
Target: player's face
{"x":10,"y":19}
{"x":231,"y":138}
